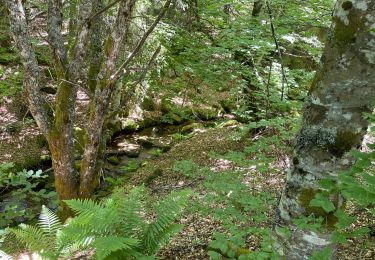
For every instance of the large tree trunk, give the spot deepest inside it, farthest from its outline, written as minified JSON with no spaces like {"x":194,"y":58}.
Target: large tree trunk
{"x":333,"y":122}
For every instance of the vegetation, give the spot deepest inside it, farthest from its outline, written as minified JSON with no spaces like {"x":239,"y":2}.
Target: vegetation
{"x":190,"y":129}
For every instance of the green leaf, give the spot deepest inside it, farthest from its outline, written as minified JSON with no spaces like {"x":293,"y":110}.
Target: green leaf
{"x":214,"y":255}
{"x":324,"y":254}
{"x":322,"y":201}
{"x":344,"y":220}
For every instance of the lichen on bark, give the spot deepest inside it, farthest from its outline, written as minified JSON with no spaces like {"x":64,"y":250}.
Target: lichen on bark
{"x":333,"y":123}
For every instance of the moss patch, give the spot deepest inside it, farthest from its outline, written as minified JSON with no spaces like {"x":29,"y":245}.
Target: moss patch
{"x":344,"y":142}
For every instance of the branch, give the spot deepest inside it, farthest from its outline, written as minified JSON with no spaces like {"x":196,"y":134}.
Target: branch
{"x":120,"y":72}
{"x":284,"y":79}
{"x":146,"y":69}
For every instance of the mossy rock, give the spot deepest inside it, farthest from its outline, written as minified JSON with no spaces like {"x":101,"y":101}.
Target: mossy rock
{"x":150,"y":118}
{"x":191,"y":127}
{"x":166,"y":106}
{"x":25,"y":153}
{"x":149,"y":104}
{"x":230,"y":123}
{"x":205,"y":113}
{"x":129,"y":125}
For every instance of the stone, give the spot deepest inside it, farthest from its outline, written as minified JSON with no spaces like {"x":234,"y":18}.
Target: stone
{"x":230,"y":123}
{"x":191,"y":127}
{"x":163,"y":144}
{"x":205,"y":112}
{"x":129,"y":149}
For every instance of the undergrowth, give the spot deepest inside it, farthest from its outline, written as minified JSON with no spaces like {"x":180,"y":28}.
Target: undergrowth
{"x":119,"y":227}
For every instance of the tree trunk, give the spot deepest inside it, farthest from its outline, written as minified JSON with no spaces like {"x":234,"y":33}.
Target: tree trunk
{"x":257,"y":8}
{"x":333,"y":123}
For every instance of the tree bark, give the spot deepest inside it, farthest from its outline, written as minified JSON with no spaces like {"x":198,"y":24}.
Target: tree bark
{"x":257,"y":8}
{"x":70,"y":64}
{"x":60,"y":137}
{"x":103,"y":94}
{"x":32,"y":86}
{"x":333,"y":123}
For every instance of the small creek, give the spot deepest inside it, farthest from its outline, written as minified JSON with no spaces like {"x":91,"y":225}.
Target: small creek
{"x":127,"y":152}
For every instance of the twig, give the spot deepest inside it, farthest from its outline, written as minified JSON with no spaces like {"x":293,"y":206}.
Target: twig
{"x":284,"y":79}
{"x":268,"y":88}
{"x":123,"y":66}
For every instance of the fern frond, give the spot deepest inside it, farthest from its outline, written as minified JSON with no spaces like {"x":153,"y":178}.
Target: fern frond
{"x":78,"y":245}
{"x":106,"y":245}
{"x":49,"y":222}
{"x":84,"y":206}
{"x":131,"y":212}
{"x":163,"y":227}
{"x":33,"y":237}
{"x":93,"y":216}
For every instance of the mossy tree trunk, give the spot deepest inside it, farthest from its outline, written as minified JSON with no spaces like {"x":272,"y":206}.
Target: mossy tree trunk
{"x":333,"y":123}
{"x":71,"y":63}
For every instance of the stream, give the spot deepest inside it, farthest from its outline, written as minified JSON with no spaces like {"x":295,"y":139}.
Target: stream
{"x":127,"y":152}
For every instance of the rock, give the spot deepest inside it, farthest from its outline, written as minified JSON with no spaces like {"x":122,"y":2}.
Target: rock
{"x":151,"y":118}
{"x":162,"y":143}
{"x":129,"y":125}
{"x":166,"y":106}
{"x":230,"y":123}
{"x":113,"y":160}
{"x":128,"y":149}
{"x":145,"y":141}
{"x":190,"y":128}
{"x":205,"y":112}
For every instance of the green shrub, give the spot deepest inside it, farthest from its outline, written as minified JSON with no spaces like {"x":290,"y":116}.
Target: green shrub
{"x":21,"y":196}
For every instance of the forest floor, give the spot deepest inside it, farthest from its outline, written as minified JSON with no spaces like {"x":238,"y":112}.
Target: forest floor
{"x":221,"y":150}
{"x":161,"y":177}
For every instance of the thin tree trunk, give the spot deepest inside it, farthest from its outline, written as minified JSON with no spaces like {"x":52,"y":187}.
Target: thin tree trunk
{"x":89,"y":176}
{"x":257,"y":8}
{"x":333,"y":123}
{"x":32,"y":86}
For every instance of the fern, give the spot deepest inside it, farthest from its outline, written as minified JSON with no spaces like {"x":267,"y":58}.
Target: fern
{"x":106,"y":245}
{"x":35,"y":240}
{"x":49,"y":222}
{"x":163,"y":227}
{"x":115,"y":227}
